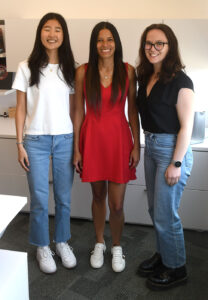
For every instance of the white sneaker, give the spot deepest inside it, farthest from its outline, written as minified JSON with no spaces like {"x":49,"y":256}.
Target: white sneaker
{"x":97,"y":257}
{"x":67,"y":256}
{"x":45,"y":259}
{"x":118,"y":259}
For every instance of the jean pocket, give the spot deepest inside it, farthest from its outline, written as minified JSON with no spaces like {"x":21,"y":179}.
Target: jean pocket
{"x":30,"y":137}
{"x":69,"y":136}
{"x":166,"y":142}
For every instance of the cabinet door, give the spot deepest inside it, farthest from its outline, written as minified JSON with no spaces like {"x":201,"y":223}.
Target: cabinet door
{"x":8,"y":154}
{"x":199,"y":175}
{"x":194,"y":209}
{"x":81,"y":199}
{"x":135,"y":205}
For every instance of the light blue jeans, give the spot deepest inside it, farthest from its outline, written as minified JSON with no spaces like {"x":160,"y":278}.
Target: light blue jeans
{"x":164,"y":200}
{"x":39,"y":149}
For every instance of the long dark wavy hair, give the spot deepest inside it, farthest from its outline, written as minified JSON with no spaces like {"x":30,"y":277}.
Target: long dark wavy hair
{"x":39,"y":58}
{"x":171,"y":63}
{"x":93,"y":89}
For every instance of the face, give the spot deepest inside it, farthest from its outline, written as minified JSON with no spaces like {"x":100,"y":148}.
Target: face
{"x":105,"y":44}
{"x":156,"y":56}
{"x":52,"y":35}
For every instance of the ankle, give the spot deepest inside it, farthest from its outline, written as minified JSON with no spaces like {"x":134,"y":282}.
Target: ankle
{"x":100,"y":240}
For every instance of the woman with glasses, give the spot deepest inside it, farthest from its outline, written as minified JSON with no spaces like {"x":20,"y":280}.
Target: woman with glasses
{"x":104,"y":153}
{"x":165,"y":100}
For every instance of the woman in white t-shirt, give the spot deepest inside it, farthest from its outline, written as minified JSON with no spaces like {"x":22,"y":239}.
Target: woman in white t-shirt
{"x":44,"y":85}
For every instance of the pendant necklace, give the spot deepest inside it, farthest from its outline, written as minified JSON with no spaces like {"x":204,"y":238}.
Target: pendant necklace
{"x":52,"y":67}
{"x":107,"y":76}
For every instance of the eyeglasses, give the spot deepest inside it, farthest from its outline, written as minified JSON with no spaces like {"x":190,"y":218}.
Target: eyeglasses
{"x":158,"y":45}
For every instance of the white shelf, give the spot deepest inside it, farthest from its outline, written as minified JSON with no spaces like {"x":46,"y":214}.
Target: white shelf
{"x":6,"y":92}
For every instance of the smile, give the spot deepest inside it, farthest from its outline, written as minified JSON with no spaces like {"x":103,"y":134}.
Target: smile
{"x":51,"y":41}
{"x":105,"y":50}
{"x":153,"y":55}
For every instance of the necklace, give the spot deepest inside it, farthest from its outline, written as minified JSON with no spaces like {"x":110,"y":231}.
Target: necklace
{"x":107,"y":76}
{"x":52,"y":67}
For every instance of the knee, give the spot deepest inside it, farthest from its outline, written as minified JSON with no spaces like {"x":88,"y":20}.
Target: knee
{"x":99,"y":197}
{"x":38,"y":207}
{"x":116,"y":209}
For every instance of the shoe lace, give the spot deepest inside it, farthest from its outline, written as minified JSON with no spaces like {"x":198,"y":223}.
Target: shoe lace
{"x":98,"y":250}
{"x":66,"y":250}
{"x":47,"y":253}
{"x":117,"y":255}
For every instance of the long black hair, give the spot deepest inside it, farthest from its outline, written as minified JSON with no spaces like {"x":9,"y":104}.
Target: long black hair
{"x":39,"y":58}
{"x":93,"y":89}
{"x":171,"y":63}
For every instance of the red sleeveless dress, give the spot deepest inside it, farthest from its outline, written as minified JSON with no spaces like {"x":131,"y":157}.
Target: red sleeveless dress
{"x":106,"y":140}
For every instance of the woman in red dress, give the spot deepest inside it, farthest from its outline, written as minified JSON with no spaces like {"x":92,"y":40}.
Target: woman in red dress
{"x":104,"y":153}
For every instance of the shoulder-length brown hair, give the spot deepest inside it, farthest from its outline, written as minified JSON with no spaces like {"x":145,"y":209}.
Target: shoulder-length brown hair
{"x":93,"y":89}
{"x":171,"y":63}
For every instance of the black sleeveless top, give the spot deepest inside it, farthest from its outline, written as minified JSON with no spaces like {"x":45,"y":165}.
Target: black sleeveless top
{"x":158,"y":110}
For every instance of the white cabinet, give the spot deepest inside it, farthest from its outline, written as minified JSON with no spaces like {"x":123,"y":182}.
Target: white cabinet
{"x":194,"y":209}
{"x":199,"y":176}
{"x":12,"y":177}
{"x":81,"y":199}
{"x":194,"y":203}
{"x":135,"y":205}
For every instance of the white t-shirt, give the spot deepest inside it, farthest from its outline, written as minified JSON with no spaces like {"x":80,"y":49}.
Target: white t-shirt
{"x":48,"y":104}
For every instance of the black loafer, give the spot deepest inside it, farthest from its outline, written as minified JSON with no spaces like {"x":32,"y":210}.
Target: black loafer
{"x":165,"y":278}
{"x":150,"y":265}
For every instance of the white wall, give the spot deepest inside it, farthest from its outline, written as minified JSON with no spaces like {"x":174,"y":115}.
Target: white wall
{"x":191,"y":33}
{"x":90,"y":9}
{"x":193,"y":40}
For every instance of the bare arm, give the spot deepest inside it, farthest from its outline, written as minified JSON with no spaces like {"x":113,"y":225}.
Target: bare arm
{"x":133,"y":117}
{"x":79,"y":115}
{"x":185,"y":111}
{"x":21,"y":110}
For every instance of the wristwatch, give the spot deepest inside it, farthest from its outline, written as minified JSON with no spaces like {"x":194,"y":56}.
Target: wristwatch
{"x":176,"y":163}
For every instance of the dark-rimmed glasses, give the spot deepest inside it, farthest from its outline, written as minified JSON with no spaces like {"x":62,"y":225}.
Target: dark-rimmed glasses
{"x":158,"y":45}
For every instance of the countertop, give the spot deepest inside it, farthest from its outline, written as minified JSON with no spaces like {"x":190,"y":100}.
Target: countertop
{"x":8,"y":131}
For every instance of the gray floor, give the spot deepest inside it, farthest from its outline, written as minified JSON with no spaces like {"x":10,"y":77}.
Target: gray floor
{"x":84,"y":283}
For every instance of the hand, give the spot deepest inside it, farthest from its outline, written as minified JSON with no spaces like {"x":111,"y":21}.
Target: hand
{"x":23,"y":158}
{"x":77,"y":162}
{"x":134,"y":158}
{"x":172,"y":175}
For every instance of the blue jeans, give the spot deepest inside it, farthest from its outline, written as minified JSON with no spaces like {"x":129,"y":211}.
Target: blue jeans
{"x":39,"y":149}
{"x":164,"y":200}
